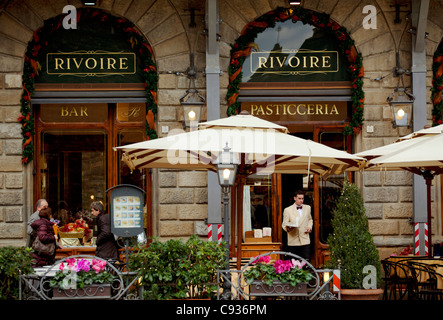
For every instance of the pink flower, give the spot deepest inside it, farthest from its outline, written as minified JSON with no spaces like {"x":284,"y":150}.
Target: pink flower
{"x":281,"y":266}
{"x":62,"y":266}
{"x":83,"y":265}
{"x":264,"y":259}
{"x":98,"y":265}
{"x":71,"y":263}
{"x":297,"y":264}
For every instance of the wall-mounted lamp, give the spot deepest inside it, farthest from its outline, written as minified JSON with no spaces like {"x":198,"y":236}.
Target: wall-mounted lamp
{"x":192,"y":102}
{"x":401,"y":102}
{"x":89,"y":2}
{"x":294,"y":3}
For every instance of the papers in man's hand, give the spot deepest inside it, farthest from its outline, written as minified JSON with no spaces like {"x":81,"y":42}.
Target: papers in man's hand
{"x":293,"y":224}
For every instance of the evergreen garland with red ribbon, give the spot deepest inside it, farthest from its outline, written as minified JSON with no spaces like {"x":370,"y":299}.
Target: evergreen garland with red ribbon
{"x":437,"y":86}
{"x":242,"y":48}
{"x":32,"y":68}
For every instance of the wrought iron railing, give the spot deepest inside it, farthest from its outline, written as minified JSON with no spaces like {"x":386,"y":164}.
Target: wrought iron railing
{"x":232,"y":284}
{"x":37,"y":286}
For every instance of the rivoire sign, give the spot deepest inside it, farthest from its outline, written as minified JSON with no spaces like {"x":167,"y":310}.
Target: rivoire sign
{"x":90,"y":63}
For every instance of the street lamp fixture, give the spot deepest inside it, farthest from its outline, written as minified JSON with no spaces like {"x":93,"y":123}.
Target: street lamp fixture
{"x":227,"y":164}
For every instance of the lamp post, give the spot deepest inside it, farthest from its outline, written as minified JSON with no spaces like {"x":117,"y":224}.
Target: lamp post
{"x":227,"y":164}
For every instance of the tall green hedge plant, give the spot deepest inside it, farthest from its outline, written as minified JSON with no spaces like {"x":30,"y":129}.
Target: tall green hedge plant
{"x":351,"y":244}
{"x":13,"y":261}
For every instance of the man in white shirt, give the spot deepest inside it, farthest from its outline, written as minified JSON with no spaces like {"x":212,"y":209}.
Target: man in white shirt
{"x":297,"y":222}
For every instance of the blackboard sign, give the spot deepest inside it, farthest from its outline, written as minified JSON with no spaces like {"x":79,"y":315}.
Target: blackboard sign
{"x":126,"y":210}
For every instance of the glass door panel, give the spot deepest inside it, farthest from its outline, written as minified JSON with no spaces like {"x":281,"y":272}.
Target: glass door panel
{"x":73,"y":171}
{"x":329,"y":189}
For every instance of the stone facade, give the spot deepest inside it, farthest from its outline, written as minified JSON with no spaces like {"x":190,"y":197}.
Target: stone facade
{"x":180,"y":198}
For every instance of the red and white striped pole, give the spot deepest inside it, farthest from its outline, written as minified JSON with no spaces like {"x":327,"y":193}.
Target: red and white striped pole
{"x":417,"y":238}
{"x":209,"y":231}
{"x":336,"y":281}
{"x":219,"y":232}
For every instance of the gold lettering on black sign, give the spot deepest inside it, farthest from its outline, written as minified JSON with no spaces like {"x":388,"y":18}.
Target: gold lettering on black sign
{"x":294,"y":62}
{"x":298,"y":110}
{"x":90,"y":63}
{"x":294,"y":109}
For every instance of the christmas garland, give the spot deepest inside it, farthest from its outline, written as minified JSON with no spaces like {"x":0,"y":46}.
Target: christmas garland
{"x":243,"y":47}
{"x":437,"y":86}
{"x":32,"y":68}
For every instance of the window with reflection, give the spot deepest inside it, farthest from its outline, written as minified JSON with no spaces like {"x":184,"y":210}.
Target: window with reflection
{"x":257,"y":208}
{"x":125,"y":176}
{"x":331,"y":188}
{"x":73,"y":171}
{"x":294,"y":49}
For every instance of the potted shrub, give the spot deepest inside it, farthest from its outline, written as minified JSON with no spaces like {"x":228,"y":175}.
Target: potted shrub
{"x":13,"y":262}
{"x":351,"y":245}
{"x":179,"y":270}
{"x":277,"y":278}
{"x":82,"y":278}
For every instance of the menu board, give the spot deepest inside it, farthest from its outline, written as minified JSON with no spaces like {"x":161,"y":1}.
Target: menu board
{"x":126,"y":209}
{"x":127,"y":212}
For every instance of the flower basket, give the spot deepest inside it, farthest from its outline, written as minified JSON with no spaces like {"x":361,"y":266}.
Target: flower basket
{"x":76,"y":234}
{"x":82,"y":279}
{"x":278,"y":278}
{"x":259,"y":288}
{"x":93,"y":291}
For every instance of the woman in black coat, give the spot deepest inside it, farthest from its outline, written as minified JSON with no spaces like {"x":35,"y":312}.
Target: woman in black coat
{"x":106,"y":244}
{"x":44,"y":230}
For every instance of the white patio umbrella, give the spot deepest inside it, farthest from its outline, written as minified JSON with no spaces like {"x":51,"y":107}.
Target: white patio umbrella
{"x":423,"y":156}
{"x":262,"y":146}
{"x":423,"y":132}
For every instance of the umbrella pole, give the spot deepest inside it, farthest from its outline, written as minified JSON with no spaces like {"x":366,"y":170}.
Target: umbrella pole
{"x":428,"y":179}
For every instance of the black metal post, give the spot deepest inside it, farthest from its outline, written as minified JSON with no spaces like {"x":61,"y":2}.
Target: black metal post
{"x":226,"y":295}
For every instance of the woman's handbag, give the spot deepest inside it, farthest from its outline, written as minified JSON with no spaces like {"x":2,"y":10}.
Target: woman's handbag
{"x":41,"y":248}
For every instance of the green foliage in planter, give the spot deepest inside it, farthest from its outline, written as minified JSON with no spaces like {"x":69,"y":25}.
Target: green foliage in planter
{"x":13,"y":260}
{"x":177,"y":270}
{"x":351,"y":243}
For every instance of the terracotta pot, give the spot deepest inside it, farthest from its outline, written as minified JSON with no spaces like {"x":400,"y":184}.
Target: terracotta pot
{"x":361,"y":294}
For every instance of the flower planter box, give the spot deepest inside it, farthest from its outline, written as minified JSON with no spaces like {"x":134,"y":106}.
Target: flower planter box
{"x":259,"y":288}
{"x":93,"y":291}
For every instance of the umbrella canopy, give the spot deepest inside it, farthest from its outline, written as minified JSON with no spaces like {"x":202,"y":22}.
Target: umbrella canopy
{"x":262,"y":147}
{"x":390,"y":148}
{"x":424,"y":132}
{"x":425,"y":154}
{"x":421,"y":154}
